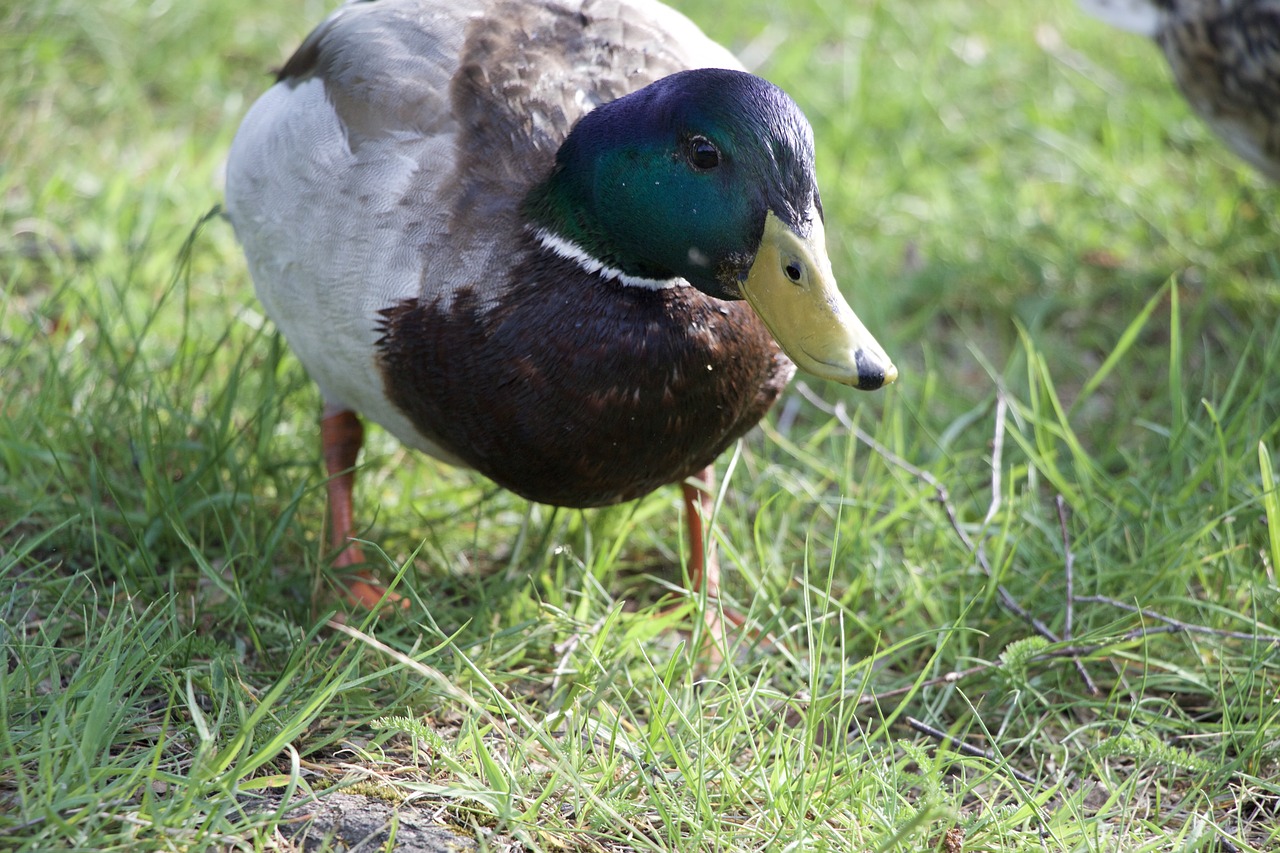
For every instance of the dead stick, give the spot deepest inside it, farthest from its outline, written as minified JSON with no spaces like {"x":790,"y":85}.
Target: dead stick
{"x":942,"y":496}
{"x":1069,"y":567}
{"x":1073,"y":652}
{"x":947,"y":678}
{"x":967,"y":749}
{"x":1176,"y":624}
{"x":997,"y":457}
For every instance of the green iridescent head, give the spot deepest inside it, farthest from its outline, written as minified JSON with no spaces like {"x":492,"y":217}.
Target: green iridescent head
{"x":691,"y":177}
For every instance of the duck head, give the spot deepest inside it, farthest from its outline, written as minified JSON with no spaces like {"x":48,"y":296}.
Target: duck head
{"x":708,"y":176}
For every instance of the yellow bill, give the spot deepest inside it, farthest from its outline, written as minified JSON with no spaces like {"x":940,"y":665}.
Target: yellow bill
{"x":792,"y":288}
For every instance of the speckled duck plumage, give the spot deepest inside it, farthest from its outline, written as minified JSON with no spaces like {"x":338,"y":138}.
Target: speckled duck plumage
{"x":1225,"y":57}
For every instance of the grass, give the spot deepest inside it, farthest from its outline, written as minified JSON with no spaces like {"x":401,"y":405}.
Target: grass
{"x":1079,"y":284}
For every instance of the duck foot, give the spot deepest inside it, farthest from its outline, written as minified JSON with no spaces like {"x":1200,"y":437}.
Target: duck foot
{"x":363,"y":590}
{"x":341,"y":437}
{"x":704,"y":565}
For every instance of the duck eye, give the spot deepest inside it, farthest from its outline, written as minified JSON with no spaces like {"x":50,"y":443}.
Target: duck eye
{"x":703,"y":154}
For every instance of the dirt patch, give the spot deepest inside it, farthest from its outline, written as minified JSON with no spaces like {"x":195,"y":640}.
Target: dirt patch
{"x":357,"y":824}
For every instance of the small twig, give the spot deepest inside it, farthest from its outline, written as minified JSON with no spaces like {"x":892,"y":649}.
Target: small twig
{"x":956,"y":676}
{"x":1069,"y":567}
{"x":436,"y":677}
{"x":997,"y":457}
{"x":997,"y":465}
{"x":842,"y":415}
{"x":946,"y":678}
{"x":431,"y":674}
{"x":968,"y":749}
{"x":1006,"y":597}
{"x":1072,"y":652}
{"x":566,"y":649}
{"x":1227,"y":846}
{"x":1174,"y":624}
{"x":942,"y":496}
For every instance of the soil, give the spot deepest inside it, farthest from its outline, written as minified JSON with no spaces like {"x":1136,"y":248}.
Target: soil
{"x":356,"y":824}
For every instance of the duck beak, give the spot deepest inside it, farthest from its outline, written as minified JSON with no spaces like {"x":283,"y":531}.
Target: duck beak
{"x":793,"y":290}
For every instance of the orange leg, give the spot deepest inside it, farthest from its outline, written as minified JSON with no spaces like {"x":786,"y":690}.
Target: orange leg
{"x":341,"y":436}
{"x":704,"y":564}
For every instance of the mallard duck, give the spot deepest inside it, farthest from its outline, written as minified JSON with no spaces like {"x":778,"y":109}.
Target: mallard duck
{"x":570,"y":244}
{"x":1225,"y":56}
